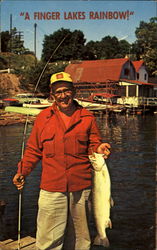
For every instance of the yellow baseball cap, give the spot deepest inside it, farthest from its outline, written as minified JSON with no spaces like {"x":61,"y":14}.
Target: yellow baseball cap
{"x":61,"y":76}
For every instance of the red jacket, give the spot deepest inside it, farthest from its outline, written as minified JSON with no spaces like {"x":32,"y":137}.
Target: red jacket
{"x":64,"y":152}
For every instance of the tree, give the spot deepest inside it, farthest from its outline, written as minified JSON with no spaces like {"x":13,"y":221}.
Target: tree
{"x":5,"y":38}
{"x":16,"y":43}
{"x":92,"y":50}
{"x":107,"y":48}
{"x":146,"y":44}
{"x":71,"y":49}
{"x":12,"y":42}
{"x":124,"y":49}
{"x":31,"y":75}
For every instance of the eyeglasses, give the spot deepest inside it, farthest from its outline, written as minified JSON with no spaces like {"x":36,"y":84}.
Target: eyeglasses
{"x":64,"y":91}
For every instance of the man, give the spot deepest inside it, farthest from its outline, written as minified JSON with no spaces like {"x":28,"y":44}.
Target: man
{"x":63,"y":136}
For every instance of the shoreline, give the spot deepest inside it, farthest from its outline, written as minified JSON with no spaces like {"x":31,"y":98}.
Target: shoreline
{"x":11,"y":118}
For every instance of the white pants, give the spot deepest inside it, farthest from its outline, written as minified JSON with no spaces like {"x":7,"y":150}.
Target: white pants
{"x":62,"y":221}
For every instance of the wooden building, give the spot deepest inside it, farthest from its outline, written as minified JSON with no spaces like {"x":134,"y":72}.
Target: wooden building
{"x":122,"y":77}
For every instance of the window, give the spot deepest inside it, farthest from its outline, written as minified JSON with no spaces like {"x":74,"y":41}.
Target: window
{"x":145,"y":76}
{"x":137,"y":76}
{"x":126,"y":72}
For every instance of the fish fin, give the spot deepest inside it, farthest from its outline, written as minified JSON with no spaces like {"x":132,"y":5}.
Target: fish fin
{"x":110,"y":224}
{"x":101,"y":242}
{"x":111,"y":202}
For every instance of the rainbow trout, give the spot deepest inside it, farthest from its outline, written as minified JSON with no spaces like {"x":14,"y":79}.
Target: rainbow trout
{"x":101,"y":198}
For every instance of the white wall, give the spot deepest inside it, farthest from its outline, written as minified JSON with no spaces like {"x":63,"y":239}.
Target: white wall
{"x":142,"y":72}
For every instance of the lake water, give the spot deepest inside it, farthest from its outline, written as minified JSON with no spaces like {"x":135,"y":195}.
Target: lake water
{"x":132,"y":170}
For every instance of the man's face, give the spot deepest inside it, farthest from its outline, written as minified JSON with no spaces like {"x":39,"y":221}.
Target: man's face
{"x":63,"y":94}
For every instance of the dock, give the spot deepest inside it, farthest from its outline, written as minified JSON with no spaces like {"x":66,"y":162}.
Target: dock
{"x":26,"y":243}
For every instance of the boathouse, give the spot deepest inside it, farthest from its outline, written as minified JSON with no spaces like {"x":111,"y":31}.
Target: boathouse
{"x":123,"y":77}
{"x":101,"y":71}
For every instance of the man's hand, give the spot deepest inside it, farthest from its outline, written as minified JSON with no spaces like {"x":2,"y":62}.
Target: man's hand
{"x":19,"y":181}
{"x":104,"y":149}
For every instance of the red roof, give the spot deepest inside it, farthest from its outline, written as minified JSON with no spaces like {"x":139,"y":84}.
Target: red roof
{"x":96,"y":71}
{"x":105,"y":95}
{"x":138,"y":64}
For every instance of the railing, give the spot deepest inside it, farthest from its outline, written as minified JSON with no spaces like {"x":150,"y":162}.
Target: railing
{"x":138,"y":101}
{"x":149,"y":101}
{"x":6,"y":70}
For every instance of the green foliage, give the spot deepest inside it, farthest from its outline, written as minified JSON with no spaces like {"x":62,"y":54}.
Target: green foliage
{"x":30,"y":75}
{"x":146,"y":44}
{"x":107,"y":48}
{"x":16,"y":44}
{"x":12,"y":42}
{"x":92,"y":50}
{"x":3,"y":62}
{"x":5,"y":39}
{"x":124,"y":49}
{"x":20,"y":64}
{"x":17,"y":62}
{"x":70,"y":49}
{"x":33,"y":75}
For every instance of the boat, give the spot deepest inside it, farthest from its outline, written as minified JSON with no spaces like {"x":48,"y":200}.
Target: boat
{"x":30,"y":98}
{"x":11,"y":102}
{"x":105,"y":98}
{"x":23,"y":110}
{"x":102,"y":102}
{"x":96,"y":106}
{"x":91,"y":105}
{"x":37,"y":104}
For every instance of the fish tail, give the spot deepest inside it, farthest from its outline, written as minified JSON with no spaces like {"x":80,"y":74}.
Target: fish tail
{"x":103,"y":242}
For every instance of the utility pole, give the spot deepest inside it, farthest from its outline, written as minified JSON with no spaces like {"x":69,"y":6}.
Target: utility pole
{"x":35,"y":28}
{"x":11,"y":32}
{"x":0,"y":29}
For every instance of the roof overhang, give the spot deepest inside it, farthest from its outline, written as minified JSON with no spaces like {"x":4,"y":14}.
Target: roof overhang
{"x":126,"y":82}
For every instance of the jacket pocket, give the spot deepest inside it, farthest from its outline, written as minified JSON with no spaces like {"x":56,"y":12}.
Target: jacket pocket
{"x":49,"y":146}
{"x":81,"y":144}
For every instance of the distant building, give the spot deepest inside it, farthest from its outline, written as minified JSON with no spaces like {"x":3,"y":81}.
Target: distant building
{"x":141,"y":73}
{"x":128,"y":79}
{"x":101,"y":71}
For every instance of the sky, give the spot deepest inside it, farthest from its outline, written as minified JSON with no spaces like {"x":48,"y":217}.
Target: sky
{"x":96,"y":19}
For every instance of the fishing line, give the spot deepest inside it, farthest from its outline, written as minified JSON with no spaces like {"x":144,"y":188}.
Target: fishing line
{"x":24,"y":137}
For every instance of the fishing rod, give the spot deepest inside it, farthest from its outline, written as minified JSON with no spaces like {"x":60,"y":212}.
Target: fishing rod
{"x":24,"y":138}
